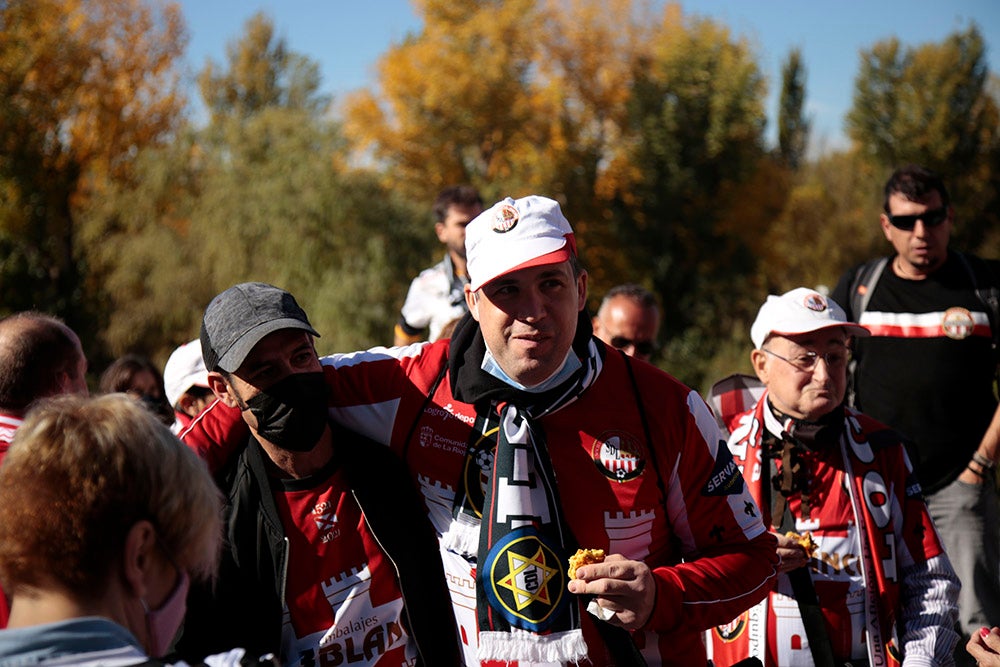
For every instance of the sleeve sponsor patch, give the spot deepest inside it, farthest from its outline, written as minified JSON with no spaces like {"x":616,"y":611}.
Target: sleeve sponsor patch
{"x":725,"y":479}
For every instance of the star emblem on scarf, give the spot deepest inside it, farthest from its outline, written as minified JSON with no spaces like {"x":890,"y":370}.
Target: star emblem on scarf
{"x":528,"y":578}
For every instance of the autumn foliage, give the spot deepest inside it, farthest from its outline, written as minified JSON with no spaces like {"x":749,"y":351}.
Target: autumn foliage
{"x":121,"y":213}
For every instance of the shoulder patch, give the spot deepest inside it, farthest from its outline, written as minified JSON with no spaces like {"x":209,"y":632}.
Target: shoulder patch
{"x":726,"y":479}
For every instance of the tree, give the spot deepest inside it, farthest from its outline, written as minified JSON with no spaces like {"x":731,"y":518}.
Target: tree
{"x":84,"y":85}
{"x":262,"y":74}
{"x":146,"y":272}
{"x":695,"y":141}
{"x":793,"y":128}
{"x":276,"y":203}
{"x":260,"y":193}
{"x":646,"y":129}
{"x":456,"y":102}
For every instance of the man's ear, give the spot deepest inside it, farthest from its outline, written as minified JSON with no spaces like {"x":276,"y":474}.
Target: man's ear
{"x":439,"y":229}
{"x":140,"y":542}
{"x":883,"y":221}
{"x":472,"y":301}
{"x":187,"y":404}
{"x":217,"y":383}
{"x":581,"y":288}
{"x":759,"y":361}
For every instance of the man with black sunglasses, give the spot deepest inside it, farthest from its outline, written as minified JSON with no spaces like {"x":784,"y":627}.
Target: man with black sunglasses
{"x":928,"y":370}
{"x":628,"y":320}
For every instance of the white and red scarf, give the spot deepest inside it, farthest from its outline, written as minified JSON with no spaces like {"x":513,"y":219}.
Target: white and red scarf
{"x":871,"y":503}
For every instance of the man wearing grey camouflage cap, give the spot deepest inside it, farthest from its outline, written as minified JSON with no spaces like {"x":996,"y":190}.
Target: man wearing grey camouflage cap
{"x":327,"y":550}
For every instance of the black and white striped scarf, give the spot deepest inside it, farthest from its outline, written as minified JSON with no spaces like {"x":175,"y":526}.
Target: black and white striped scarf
{"x":521,"y":544}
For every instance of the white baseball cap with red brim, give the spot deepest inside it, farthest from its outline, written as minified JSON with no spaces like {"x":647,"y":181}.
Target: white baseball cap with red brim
{"x":515,"y":234}
{"x":800,"y":311}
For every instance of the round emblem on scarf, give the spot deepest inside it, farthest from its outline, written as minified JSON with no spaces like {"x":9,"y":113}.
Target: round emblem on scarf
{"x":816,"y":302}
{"x":733,"y":629}
{"x":618,"y":455}
{"x":524,"y":579}
{"x":957,"y":323}
{"x":505,"y":218}
{"x":478,"y":468}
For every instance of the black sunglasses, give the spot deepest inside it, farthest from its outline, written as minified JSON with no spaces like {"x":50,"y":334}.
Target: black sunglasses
{"x":931,"y":217}
{"x":643,"y":347}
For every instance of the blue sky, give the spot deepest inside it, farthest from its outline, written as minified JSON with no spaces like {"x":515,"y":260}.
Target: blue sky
{"x":347,"y":37}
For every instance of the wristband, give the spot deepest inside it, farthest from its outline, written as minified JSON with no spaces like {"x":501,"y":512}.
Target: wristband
{"x":983,"y":461}
{"x":981,"y":474}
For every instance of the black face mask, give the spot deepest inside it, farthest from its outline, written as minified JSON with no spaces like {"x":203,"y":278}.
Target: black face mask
{"x":292,"y":413}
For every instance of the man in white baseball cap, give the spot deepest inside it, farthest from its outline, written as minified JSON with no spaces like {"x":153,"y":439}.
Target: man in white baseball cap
{"x":541,"y":400}
{"x":185,"y":380}
{"x":819,"y":468}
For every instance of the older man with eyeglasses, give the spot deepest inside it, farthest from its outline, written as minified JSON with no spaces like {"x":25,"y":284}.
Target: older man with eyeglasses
{"x":864,"y":579}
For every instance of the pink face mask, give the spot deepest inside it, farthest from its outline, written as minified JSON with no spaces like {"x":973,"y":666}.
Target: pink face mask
{"x":162,"y":625}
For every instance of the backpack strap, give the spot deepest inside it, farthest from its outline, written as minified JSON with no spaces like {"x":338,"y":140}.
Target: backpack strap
{"x":860,"y":293}
{"x":863,"y":285}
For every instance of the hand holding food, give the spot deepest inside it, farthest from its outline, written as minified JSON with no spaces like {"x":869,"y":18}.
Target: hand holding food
{"x":794,"y":550}
{"x":623,"y":590}
{"x":805,"y":540}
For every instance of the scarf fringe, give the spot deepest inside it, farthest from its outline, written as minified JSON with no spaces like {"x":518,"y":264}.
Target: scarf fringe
{"x":568,"y":646}
{"x":462,"y":538}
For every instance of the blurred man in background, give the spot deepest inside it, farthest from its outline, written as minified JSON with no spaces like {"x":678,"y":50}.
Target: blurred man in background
{"x":628,"y":320}
{"x":436,"y":297}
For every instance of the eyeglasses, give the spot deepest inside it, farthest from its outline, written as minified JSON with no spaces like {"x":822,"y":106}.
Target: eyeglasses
{"x":643,"y":347}
{"x":931,"y":217}
{"x":806,"y":362}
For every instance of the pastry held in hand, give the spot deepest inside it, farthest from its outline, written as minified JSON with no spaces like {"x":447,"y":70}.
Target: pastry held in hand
{"x":805,"y":541}
{"x":584,"y":557}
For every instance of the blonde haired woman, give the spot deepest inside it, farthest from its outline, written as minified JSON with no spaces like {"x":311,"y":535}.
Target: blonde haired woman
{"x":104,"y":519}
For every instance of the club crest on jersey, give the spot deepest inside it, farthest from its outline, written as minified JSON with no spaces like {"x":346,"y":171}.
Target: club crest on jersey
{"x":325,"y":516}
{"x":726,"y":479}
{"x":815,"y":301}
{"x":957,"y":323}
{"x":524,"y":579}
{"x":618,"y":455}
{"x":505,"y":219}
{"x":733,"y":629}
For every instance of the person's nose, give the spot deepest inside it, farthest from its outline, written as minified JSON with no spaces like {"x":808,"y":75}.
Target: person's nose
{"x":532,"y":306}
{"x":822,"y":369}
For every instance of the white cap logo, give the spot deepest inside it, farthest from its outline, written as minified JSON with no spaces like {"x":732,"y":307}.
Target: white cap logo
{"x":814,"y":301}
{"x":506,"y":219}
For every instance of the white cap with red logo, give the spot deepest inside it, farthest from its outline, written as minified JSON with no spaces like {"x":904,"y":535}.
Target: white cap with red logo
{"x":516,"y":234}
{"x":799,"y":311}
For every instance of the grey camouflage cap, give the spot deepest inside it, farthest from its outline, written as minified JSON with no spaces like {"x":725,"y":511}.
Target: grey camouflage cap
{"x":238,"y":318}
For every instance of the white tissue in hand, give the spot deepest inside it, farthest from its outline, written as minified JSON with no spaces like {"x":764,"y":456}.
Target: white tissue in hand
{"x":599,"y":611}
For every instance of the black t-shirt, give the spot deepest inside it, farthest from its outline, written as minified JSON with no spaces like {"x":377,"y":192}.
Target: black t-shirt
{"x":928,"y":368}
